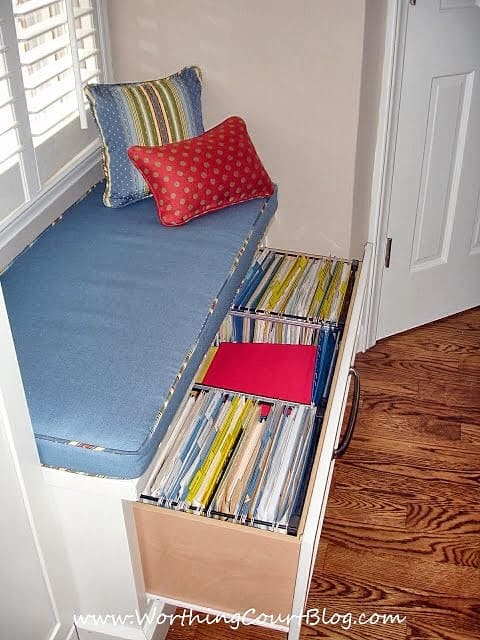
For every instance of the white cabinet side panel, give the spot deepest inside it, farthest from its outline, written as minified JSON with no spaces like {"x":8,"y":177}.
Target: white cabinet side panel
{"x":26,"y":609}
{"x":36,"y":593}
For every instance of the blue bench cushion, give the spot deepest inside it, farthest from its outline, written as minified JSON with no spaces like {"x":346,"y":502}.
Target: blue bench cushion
{"x":111,"y":315}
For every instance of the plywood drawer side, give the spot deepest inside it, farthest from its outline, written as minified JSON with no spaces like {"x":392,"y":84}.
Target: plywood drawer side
{"x":214,"y":564}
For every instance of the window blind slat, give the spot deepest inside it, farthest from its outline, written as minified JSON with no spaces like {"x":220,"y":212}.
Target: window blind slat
{"x":53,"y":46}
{"x":33,"y":5}
{"x":41,"y":77}
{"x":65,"y":90}
{"x":7,"y":101}
{"x":24,"y":34}
{"x":38,"y":106}
{"x":44,"y":51}
{"x":10,"y":154}
{"x":4,"y":128}
{"x":53,"y":126}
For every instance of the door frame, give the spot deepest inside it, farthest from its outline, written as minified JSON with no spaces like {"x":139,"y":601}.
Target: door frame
{"x":389,"y":107}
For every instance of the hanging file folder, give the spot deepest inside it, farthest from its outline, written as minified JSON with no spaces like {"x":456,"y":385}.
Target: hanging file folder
{"x":281,"y":371}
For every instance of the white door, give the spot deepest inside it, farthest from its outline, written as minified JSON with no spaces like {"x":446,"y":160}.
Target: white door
{"x":435,"y":200}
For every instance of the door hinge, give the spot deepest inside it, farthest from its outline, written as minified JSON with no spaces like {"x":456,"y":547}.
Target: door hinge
{"x":388,"y":251}
{"x":413,"y":2}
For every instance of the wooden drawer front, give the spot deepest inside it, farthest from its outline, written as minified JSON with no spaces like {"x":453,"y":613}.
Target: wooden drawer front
{"x":209,"y":563}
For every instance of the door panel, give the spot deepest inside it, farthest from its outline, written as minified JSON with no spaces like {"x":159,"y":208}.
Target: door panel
{"x":449,"y":107}
{"x":434,"y":209}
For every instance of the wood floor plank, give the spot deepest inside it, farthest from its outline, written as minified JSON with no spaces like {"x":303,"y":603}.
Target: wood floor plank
{"x":321,"y":554}
{"x":355,"y":632}
{"x":417,"y":460}
{"x":399,"y":365}
{"x":354,"y":593}
{"x":470,"y":433}
{"x":409,"y":429}
{"x":464,"y":323}
{"x":367,"y":508}
{"x":436,"y":346}
{"x":440,"y":612}
{"x":377,"y":374}
{"x":182,"y":629}
{"x":426,"y":626}
{"x":223,"y":631}
{"x":464,"y":392}
{"x":463,"y":327}
{"x":425,"y":517}
{"x":470,"y":365}
{"x":451,"y":411}
{"x":445,"y":547}
{"x":399,"y":580}
{"x":383,"y":481}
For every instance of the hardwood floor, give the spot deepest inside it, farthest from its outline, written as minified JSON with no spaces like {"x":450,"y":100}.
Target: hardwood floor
{"x":402,"y":529}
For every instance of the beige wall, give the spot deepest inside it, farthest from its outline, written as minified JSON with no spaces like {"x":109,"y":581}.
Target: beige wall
{"x":292,"y":70}
{"x":372,"y":67}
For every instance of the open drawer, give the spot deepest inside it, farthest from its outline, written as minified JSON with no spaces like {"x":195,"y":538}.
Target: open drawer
{"x":205,"y":563}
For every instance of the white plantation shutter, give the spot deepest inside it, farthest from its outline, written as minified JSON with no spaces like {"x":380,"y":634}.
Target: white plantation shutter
{"x":58,"y":54}
{"x":9,"y":143}
{"x":13,"y":187}
{"x":48,"y":52}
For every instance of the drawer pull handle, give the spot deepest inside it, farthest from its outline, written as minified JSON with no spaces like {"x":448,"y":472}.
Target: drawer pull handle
{"x":347,"y":436}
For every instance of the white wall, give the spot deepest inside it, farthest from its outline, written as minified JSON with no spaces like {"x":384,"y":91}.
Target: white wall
{"x":292,"y":70}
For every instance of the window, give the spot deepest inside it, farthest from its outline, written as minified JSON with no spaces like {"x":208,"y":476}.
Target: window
{"x":48,"y":51}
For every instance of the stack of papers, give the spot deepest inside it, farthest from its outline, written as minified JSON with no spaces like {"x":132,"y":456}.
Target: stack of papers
{"x":279,"y":288}
{"x":237,"y":458}
{"x":295,"y":287}
{"x":328,"y":345}
{"x":243,"y":445}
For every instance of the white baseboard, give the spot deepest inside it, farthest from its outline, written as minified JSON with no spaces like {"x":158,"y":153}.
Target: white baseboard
{"x":68,"y":187}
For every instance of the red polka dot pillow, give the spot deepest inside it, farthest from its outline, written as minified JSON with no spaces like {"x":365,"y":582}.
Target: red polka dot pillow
{"x":196,"y":176}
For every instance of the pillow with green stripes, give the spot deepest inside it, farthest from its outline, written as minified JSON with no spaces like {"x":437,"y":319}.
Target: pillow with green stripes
{"x":150,"y":113}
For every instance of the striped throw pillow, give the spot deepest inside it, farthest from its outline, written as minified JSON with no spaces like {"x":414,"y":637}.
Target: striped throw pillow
{"x":156,"y":112}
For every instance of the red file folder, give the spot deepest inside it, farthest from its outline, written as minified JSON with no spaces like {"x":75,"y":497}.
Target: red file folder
{"x":280,"y":371}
